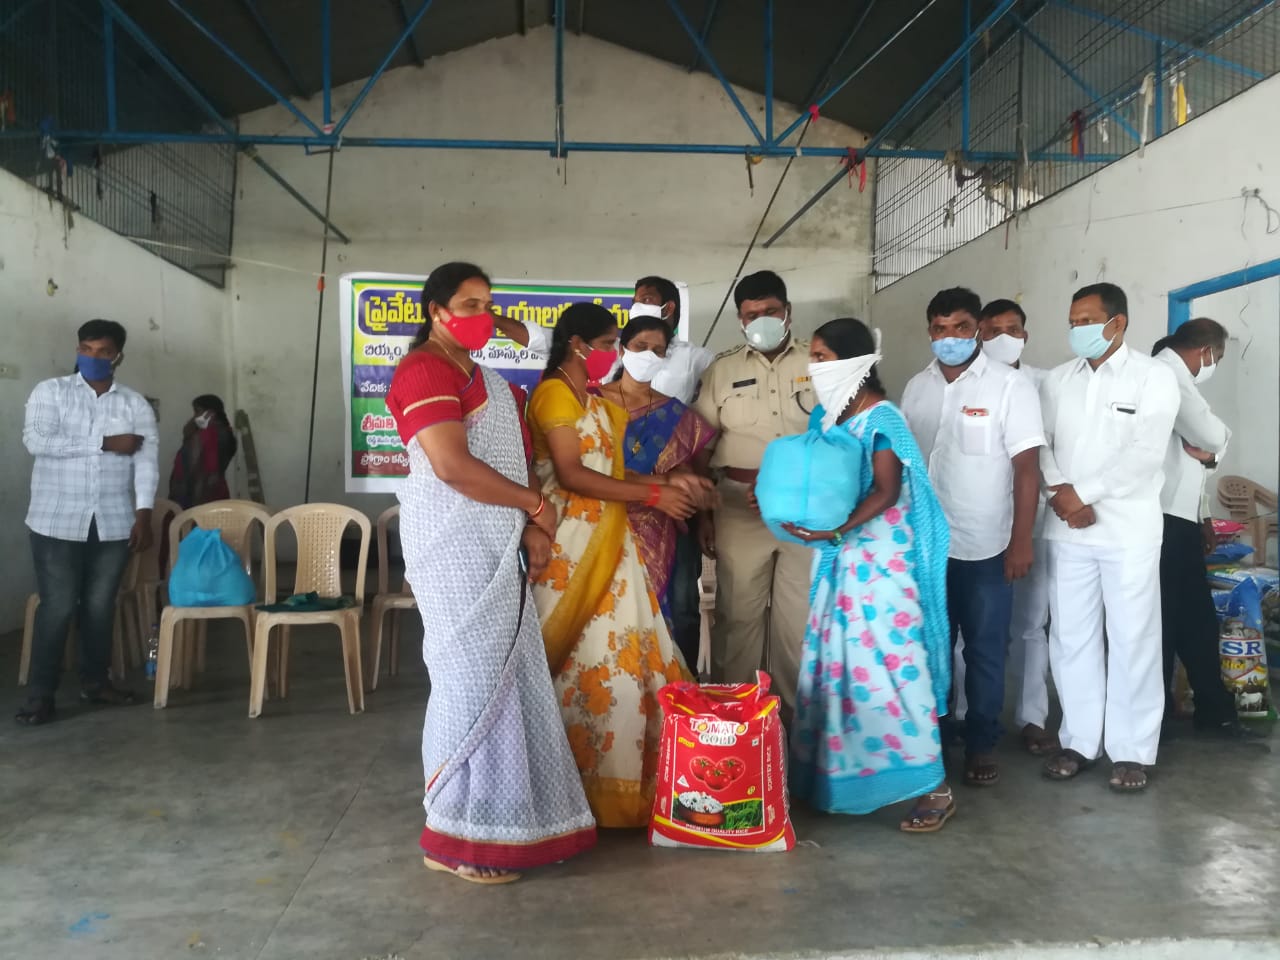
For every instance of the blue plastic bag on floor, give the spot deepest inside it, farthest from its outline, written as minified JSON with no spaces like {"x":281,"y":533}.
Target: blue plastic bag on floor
{"x":209,"y":573}
{"x":811,"y":480}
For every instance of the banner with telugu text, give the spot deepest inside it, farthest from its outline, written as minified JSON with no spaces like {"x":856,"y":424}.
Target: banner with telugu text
{"x":379,"y":314}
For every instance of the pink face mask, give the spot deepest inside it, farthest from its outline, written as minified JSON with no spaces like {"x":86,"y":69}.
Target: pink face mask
{"x":600,"y":364}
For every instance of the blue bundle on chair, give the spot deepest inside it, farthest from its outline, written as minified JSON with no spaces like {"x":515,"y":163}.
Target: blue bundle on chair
{"x":208,"y":573}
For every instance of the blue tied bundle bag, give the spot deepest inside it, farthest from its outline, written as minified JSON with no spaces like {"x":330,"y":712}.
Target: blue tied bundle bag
{"x":812,"y":480}
{"x":209,"y":573}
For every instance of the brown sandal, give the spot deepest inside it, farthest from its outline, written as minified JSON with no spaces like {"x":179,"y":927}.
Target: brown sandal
{"x":930,"y":819}
{"x":508,"y":877}
{"x":980,"y":770}
{"x":1039,"y":741}
{"x":1123,"y":779}
{"x":1067,"y":765}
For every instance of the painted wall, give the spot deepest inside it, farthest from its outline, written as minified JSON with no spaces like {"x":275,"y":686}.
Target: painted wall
{"x":1151,"y":224}
{"x":177,"y":326}
{"x":595,"y":217}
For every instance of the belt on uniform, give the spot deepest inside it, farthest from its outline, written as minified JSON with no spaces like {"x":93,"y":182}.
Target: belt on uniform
{"x":741,"y":474}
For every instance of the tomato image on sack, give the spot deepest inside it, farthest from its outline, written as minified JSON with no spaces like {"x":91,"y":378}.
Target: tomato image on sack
{"x":721,"y":772}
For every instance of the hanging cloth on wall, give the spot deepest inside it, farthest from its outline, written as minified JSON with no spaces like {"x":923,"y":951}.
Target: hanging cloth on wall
{"x":1077,"y":134}
{"x":1147,"y":93}
{"x":1181,"y":109}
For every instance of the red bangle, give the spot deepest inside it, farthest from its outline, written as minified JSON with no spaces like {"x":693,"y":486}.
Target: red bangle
{"x":542,"y":502}
{"x":655,"y":494}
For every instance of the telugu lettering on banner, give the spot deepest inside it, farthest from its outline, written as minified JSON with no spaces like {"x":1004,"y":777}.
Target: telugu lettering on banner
{"x":380,"y":314}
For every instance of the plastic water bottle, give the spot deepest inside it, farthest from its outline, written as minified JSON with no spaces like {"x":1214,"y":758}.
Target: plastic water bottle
{"x":153,"y":651}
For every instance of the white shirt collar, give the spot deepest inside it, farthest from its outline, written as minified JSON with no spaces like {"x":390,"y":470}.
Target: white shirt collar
{"x":978,"y":367}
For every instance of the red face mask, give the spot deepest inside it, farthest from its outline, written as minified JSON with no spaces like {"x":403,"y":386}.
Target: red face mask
{"x":599,"y":364}
{"x":472,"y":332}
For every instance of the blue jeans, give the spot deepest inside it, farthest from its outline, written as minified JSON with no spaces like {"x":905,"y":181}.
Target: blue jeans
{"x":980,"y":602}
{"x":74,"y":577}
{"x":683,"y":600}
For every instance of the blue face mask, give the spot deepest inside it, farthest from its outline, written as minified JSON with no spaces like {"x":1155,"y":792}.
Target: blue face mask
{"x":954,"y":351}
{"x":1089,"y":342}
{"x":94,"y":369}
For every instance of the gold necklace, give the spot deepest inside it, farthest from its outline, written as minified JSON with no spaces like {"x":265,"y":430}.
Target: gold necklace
{"x":636,"y":445}
{"x":581,"y":397}
{"x":448,"y":355}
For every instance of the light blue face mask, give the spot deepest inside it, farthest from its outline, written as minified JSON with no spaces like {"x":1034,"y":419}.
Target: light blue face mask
{"x":955,"y":351}
{"x":1089,"y":342}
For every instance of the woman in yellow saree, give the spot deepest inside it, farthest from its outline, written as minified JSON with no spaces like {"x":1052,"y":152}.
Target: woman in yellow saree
{"x":607,"y":644}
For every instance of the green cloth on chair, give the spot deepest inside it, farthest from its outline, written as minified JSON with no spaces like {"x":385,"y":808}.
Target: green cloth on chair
{"x":307,"y":603}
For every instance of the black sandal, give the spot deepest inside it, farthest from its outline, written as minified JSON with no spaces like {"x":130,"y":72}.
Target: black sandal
{"x":981,"y":771}
{"x":1119,"y":777}
{"x":933,"y":818}
{"x":36,"y":713}
{"x":1054,"y":767}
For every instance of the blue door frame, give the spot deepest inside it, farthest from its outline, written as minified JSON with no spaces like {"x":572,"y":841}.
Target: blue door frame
{"x":1180,"y":299}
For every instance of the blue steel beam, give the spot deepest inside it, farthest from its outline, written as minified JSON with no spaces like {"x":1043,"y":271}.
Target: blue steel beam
{"x":192,"y":91}
{"x":832,"y":91}
{"x":109,"y":66}
{"x":966,"y":88}
{"x":326,"y":63}
{"x":17,"y":14}
{"x":580,"y":146}
{"x":413,"y":43}
{"x":243,"y":65}
{"x":559,"y":108}
{"x":252,"y":9}
{"x":1185,"y":48}
{"x":824,"y":76}
{"x":382,"y":67}
{"x":768,"y":70}
{"x":707,"y":22}
{"x":714,"y":67}
{"x":1075,"y":78}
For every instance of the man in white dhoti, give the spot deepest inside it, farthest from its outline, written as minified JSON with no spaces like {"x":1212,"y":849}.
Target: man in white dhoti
{"x":1108,"y":416}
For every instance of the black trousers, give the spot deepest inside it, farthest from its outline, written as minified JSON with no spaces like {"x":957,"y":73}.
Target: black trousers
{"x":1190,"y":623}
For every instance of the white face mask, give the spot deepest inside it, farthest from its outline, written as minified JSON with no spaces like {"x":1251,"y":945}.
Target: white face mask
{"x":1004,"y":348}
{"x":1206,"y":370}
{"x":204,"y":420}
{"x":643,"y":365}
{"x":645,"y":310}
{"x":837,"y":382}
{"x":767,"y":333}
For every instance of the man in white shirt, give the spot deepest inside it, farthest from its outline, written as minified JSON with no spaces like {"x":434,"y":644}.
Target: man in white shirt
{"x":1003,"y":327}
{"x":1108,"y":416}
{"x":1188,"y":617}
{"x":978,"y":425}
{"x":92,"y":491}
{"x":685,"y":362}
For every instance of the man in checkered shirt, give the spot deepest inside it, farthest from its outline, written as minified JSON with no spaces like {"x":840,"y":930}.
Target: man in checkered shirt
{"x":92,"y":491}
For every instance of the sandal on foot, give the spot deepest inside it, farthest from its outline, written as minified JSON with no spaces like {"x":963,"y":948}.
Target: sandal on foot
{"x":108,"y":695}
{"x":508,"y":877}
{"x":35,"y":713}
{"x":930,"y":819}
{"x":981,"y":771}
{"x":1039,"y":741}
{"x":1128,"y":777}
{"x":1067,"y":765}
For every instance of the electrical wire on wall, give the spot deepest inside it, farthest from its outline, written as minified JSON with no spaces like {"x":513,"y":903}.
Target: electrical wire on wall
{"x":315,"y":364}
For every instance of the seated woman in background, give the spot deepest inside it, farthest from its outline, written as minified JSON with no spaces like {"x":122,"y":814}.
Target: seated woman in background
{"x":501,"y":793}
{"x":607,"y":645}
{"x":663,"y":436}
{"x":876,"y":667}
{"x":208,"y":446}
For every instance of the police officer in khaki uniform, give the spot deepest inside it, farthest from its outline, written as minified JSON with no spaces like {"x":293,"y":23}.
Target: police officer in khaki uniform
{"x":753,"y":395}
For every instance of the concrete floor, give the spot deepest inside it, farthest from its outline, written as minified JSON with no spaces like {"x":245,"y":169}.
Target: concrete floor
{"x":131,"y":833}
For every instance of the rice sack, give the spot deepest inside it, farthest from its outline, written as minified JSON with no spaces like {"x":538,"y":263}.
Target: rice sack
{"x":721,"y":773}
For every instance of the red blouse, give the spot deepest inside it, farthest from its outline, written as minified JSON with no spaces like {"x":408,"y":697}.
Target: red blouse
{"x":427,"y":389}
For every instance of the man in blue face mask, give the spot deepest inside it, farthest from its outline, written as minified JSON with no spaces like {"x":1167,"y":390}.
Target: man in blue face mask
{"x":92,"y":491}
{"x":978,"y":424}
{"x":1108,"y":418}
